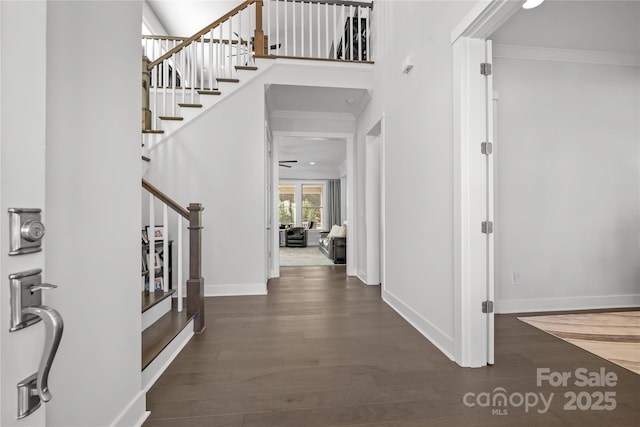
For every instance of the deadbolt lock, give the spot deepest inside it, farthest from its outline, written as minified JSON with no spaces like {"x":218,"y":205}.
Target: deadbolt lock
{"x":26,"y":231}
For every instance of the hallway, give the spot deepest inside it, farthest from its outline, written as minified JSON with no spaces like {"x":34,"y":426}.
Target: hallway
{"x":324,"y":350}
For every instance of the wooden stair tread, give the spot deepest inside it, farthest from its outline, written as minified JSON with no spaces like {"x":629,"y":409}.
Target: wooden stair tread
{"x":152,"y":131}
{"x":225,"y":80}
{"x":208,"y":92}
{"x":149,"y":299}
{"x":171,"y":118}
{"x":190,"y":105}
{"x":246,"y":67}
{"x":157,"y":336}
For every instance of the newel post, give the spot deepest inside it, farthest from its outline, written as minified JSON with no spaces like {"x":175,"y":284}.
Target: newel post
{"x":195,"y":284}
{"x":146,"y":112}
{"x":258,"y":37}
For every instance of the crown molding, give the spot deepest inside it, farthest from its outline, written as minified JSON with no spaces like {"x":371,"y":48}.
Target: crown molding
{"x":311,"y":115}
{"x":566,"y":55}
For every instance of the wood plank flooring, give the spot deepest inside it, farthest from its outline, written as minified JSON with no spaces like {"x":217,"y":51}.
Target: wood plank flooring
{"x":324,"y":350}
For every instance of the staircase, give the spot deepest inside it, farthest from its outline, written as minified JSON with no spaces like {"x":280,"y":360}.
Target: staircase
{"x":166,"y":326}
{"x":183,"y":78}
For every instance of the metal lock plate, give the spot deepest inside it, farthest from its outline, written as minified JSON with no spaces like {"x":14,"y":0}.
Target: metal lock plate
{"x":28,"y":398}
{"x":25,"y":292}
{"x":25,"y":230}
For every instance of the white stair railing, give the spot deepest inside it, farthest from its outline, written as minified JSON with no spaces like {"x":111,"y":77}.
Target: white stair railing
{"x":195,"y":283}
{"x":183,"y":69}
{"x":323,"y":29}
{"x":162,"y":230}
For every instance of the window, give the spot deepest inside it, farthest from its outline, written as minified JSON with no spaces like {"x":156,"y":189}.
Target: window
{"x":287,"y":204}
{"x":301,"y":204}
{"x":312,"y":205}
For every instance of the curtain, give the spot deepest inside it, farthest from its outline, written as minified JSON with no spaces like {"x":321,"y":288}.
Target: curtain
{"x":333,"y":204}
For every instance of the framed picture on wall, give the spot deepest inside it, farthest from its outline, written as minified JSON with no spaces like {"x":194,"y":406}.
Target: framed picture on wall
{"x":159,"y":232}
{"x":145,"y":238}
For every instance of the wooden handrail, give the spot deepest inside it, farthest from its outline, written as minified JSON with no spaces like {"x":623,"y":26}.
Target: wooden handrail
{"x":224,"y":41}
{"x":200,"y":33}
{"x":166,"y":199}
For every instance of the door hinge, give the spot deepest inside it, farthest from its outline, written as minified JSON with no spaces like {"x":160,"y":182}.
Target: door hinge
{"x":487,"y":227}
{"x":485,"y":69}
{"x":486,"y":148}
{"x":487,"y":306}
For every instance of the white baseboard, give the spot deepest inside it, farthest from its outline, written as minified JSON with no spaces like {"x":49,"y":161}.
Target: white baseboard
{"x":443,"y":342}
{"x":235,"y":290}
{"x":151,"y":373}
{"x":134,"y":414}
{"x":528,"y":305}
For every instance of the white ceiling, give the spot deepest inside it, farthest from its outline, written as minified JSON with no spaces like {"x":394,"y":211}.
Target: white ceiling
{"x":282,"y":99}
{"x":608,"y":26}
{"x":306,"y":102}
{"x":326,"y":153}
{"x":182,"y":18}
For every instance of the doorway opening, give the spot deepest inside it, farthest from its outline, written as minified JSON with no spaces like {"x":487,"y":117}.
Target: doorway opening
{"x":310,"y":137}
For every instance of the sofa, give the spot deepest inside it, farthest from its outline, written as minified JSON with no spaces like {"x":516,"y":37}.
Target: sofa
{"x":333,"y":244}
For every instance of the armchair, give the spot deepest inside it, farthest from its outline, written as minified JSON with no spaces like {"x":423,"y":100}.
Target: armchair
{"x":296,"y":237}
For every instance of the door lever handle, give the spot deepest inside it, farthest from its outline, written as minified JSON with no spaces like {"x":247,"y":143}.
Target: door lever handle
{"x":42,"y":286}
{"x":53,"y":326}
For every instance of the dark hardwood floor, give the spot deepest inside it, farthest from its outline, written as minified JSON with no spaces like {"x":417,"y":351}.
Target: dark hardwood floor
{"x":324,"y":350}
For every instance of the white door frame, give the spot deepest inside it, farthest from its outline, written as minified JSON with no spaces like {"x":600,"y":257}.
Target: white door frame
{"x":375,"y":209}
{"x":473,"y":263}
{"x":350,"y":191}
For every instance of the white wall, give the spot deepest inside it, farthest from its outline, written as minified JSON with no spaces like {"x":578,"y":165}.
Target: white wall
{"x":567,"y":185}
{"x":418,"y":155}
{"x":219,"y":161}
{"x":93,"y":210}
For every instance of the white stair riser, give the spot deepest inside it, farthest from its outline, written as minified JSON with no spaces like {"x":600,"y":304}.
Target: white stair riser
{"x":150,"y":316}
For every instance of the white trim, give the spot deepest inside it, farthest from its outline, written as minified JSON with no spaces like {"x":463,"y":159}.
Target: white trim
{"x":150,"y":316}
{"x":566,"y":303}
{"x":442,"y":341}
{"x":315,"y":115}
{"x":151,"y":373}
{"x":485,"y":17}
{"x":135,"y":412}
{"x":566,"y":55}
{"x":352,"y":220}
{"x":239,"y":289}
{"x":328,"y":135}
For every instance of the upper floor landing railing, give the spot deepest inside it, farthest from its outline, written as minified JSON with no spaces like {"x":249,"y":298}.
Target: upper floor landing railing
{"x":318,"y":29}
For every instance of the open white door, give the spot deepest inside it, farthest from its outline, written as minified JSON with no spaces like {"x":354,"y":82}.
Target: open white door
{"x":489,"y":203}
{"x":474,"y":202}
{"x":22,"y":178}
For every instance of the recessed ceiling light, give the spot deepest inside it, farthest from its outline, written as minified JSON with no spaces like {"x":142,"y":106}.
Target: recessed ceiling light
{"x":312,"y":163}
{"x":530,"y":4}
